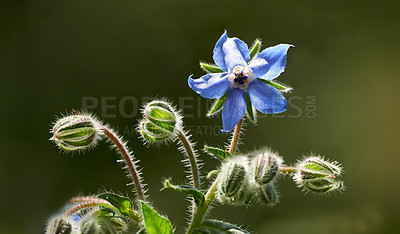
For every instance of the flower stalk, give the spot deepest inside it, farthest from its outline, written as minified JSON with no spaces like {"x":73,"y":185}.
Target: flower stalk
{"x":287,"y":170}
{"x":235,"y":137}
{"x":211,"y":194}
{"x":126,"y":154}
{"x":187,"y":146}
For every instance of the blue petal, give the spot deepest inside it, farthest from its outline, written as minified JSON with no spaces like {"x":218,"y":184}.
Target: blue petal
{"x":213,"y":85}
{"x":276,"y":58}
{"x":230,"y":52}
{"x":234,"y":109}
{"x":259,"y":66}
{"x":266,"y":98}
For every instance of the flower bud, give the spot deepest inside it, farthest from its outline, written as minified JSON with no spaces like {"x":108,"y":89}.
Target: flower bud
{"x":76,"y":132}
{"x":59,"y":225}
{"x":160,"y":121}
{"x":266,"y":166}
{"x":152,"y":132}
{"x":234,"y":187}
{"x":317,"y":175}
{"x":267,"y":195}
{"x":102,"y":222}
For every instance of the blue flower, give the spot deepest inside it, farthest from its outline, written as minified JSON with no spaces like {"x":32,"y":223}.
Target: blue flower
{"x":241,"y":77}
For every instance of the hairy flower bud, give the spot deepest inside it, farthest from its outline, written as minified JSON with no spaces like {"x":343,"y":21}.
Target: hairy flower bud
{"x":266,"y":166}
{"x":234,"y":187}
{"x":160,"y":121}
{"x":103,"y":222}
{"x":317,"y":175}
{"x":267,"y":195}
{"x":76,"y":132}
{"x":59,"y":225}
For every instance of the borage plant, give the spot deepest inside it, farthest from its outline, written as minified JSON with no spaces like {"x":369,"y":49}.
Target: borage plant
{"x":241,"y":82}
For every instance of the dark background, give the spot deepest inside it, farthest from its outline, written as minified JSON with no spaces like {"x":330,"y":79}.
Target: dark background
{"x":54,"y":53}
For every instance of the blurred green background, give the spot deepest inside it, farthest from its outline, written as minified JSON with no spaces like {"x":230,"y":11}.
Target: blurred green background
{"x":55,"y":53}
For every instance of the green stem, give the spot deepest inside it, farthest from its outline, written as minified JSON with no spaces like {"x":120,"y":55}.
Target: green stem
{"x":202,"y":210}
{"x":287,"y":170}
{"x":192,"y":158}
{"x":212,"y":191}
{"x":126,"y":154}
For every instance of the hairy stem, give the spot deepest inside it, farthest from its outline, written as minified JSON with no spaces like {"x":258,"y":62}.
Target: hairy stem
{"x":202,"y":210}
{"x":126,"y":154}
{"x":212,"y":191}
{"x":287,"y":170}
{"x":235,"y":137}
{"x":192,"y":158}
{"x":87,"y":204}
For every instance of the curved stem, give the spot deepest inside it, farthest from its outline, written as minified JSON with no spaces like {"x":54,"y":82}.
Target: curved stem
{"x":192,"y":158}
{"x":235,"y":137}
{"x":212,"y":191}
{"x":126,"y":154}
{"x":87,"y":202}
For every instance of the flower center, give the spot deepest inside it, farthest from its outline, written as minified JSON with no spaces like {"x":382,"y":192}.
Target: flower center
{"x":241,"y":77}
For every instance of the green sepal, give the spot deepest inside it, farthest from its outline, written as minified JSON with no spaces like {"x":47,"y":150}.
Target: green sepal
{"x":218,"y":105}
{"x":255,"y":49}
{"x":198,"y":196}
{"x":123,"y":204}
{"x":212,"y":226}
{"x":210,"y":68}
{"x":280,"y":87}
{"x":211,"y":173}
{"x":250,"y":113}
{"x":154,"y":222}
{"x":217,"y":152}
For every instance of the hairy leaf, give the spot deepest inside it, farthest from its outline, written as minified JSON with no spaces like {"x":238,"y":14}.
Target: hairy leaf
{"x":217,"y":152}
{"x":154,"y":222}
{"x":197,"y":194}
{"x":212,"y":226}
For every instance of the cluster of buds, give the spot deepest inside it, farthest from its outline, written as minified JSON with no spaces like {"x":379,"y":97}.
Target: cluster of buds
{"x":246,"y":177}
{"x":160,"y":122}
{"x":76,"y":132}
{"x":317,"y":175}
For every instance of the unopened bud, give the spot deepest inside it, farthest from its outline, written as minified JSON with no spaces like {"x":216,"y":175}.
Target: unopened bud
{"x":234,"y":187}
{"x":59,"y":225}
{"x":267,"y":195}
{"x":76,"y":132}
{"x":160,"y":121}
{"x":317,"y":175}
{"x":102,"y":222}
{"x":266,"y":166}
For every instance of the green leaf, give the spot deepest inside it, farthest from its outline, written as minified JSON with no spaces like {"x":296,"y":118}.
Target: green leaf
{"x":197,"y":194}
{"x":255,"y":49}
{"x":155,"y":223}
{"x":123,"y":204}
{"x":212,"y":226}
{"x":280,"y":87}
{"x":210,"y":68}
{"x":218,"y":105}
{"x":250,"y":112}
{"x":217,"y":152}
